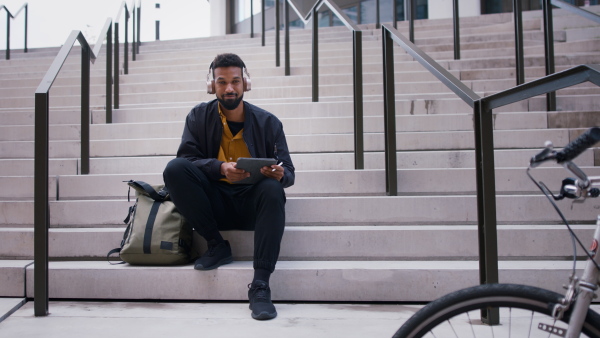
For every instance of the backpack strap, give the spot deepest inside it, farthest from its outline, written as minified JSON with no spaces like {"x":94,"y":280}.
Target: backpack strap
{"x":143,"y":186}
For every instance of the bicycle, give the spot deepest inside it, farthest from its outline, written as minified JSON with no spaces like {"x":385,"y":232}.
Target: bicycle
{"x":526,"y":311}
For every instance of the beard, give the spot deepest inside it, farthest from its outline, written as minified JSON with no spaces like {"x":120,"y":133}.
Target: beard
{"x":230,"y":103}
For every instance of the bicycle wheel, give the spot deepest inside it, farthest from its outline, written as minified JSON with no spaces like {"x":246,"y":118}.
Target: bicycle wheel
{"x":522,"y":310}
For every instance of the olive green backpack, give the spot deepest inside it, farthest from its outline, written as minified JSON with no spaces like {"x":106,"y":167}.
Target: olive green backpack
{"x":156,"y":233}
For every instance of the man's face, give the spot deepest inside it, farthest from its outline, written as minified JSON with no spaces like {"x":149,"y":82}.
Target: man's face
{"x":229,"y":86}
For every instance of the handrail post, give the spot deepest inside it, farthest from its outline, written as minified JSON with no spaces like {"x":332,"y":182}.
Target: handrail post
{"x":456,"y":21}
{"x":549,"y":50}
{"x":389,"y":114}
{"x":26,"y":17}
{"x":486,"y":202}
{"x":315,"y":56}
{"x":139,"y":9}
{"x":377,"y":15}
{"x":109,"y":74}
{"x":41,"y":212}
{"x":359,"y":149}
{"x":277,"y":54}
{"x":85,"y":110}
{"x":126,"y":51}
{"x":411,"y":21}
{"x":395,"y":16}
{"x":133,"y":29}
{"x":262,"y":5}
{"x":251,"y":19}
{"x":286,"y":10}
{"x":116,"y":70}
{"x":519,"y":58}
{"x":7,"y":34}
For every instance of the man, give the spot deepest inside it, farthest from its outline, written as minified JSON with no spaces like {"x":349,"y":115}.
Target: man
{"x":202,"y":179}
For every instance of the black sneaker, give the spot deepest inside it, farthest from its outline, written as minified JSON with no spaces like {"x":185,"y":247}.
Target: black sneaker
{"x":218,"y":253}
{"x":260,"y":301}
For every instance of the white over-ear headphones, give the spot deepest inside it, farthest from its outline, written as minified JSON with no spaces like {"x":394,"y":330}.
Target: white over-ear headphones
{"x":210,"y":80}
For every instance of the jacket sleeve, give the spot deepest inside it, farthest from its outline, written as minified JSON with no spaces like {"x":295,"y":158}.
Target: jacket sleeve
{"x":196,"y":152}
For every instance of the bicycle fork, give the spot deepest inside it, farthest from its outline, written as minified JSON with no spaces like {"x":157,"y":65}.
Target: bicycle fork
{"x":587,"y":287}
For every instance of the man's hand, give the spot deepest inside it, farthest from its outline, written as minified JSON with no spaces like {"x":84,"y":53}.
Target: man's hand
{"x":233,"y":174}
{"x":274,"y":171}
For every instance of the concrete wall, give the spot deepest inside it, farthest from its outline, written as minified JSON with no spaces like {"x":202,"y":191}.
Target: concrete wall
{"x":219,"y":17}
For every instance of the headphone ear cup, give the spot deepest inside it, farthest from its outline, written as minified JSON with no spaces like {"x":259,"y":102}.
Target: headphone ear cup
{"x":210,"y":86}
{"x":247,"y":84}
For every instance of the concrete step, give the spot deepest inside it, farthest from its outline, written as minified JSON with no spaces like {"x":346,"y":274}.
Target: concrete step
{"x":301,"y":125}
{"x":302,"y":161}
{"x":292,"y":281}
{"x":308,"y":183}
{"x":328,"y":243}
{"x":337,"y":210}
{"x":168,"y":143}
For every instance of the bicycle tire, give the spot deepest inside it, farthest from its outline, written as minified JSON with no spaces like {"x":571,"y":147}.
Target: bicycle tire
{"x":535,"y":301}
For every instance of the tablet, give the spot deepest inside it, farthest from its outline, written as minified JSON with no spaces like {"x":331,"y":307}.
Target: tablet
{"x":253,"y":165}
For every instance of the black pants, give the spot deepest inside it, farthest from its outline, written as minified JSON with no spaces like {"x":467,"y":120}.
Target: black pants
{"x":211,"y":206}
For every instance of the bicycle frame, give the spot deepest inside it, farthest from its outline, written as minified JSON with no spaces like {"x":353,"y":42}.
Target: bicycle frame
{"x":580,"y":292}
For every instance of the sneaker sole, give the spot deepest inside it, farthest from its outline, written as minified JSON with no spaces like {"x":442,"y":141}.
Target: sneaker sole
{"x":218,"y":264}
{"x":264,"y":315}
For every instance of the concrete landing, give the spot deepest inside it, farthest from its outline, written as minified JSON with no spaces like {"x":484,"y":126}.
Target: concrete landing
{"x":223,"y":320}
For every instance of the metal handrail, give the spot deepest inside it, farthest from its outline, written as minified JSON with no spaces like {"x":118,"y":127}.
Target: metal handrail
{"x":483,"y":130}
{"x":549,"y":38}
{"x":9,"y":16}
{"x":126,"y":49}
{"x":41,"y":159}
{"x":357,"y":65}
{"x":576,"y":10}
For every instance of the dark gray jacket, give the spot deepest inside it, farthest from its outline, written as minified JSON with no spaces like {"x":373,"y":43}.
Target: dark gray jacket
{"x":263,"y":134}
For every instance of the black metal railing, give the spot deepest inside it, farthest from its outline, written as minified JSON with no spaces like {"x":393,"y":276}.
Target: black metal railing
{"x":42,"y":98}
{"x":122,"y":8}
{"x":356,"y":64}
{"x":548,"y":39}
{"x":484,"y":141}
{"x":42,"y":112}
{"x":10,"y":16}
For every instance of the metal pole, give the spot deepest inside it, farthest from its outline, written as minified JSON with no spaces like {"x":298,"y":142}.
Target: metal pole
{"x":251,"y":18}
{"x":137,"y":49}
{"x":277,"y":54}
{"x":519,"y":58}
{"x":85,"y":110}
{"x":126,"y":52}
{"x":359,"y":148}
{"x":411,"y":21}
{"x":26,"y":18}
{"x":41,"y":210}
{"x":389,"y":114}
{"x":456,"y":21}
{"x":109,"y":75}
{"x":116,"y":70}
{"x":286,"y":9}
{"x":7,"y":35}
{"x":262,"y":5}
{"x":549,"y":50}
{"x":395,"y":9}
{"x":377,"y":15}
{"x":133,"y":28}
{"x":486,"y":202}
{"x":315,"y":56}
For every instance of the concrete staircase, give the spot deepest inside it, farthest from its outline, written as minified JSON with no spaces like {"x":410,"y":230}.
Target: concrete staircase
{"x":345,"y":239}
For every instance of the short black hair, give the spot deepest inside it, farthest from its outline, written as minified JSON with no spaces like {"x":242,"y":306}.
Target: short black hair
{"x":227,"y":60}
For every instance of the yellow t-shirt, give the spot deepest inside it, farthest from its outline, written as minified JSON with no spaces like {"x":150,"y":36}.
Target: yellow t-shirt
{"x":232,"y":147}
